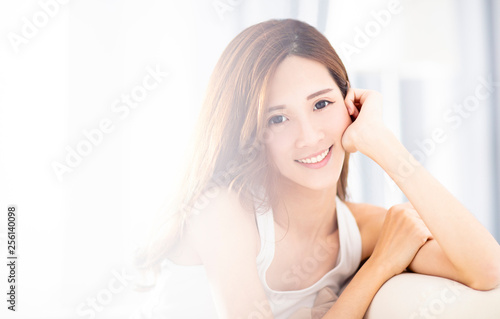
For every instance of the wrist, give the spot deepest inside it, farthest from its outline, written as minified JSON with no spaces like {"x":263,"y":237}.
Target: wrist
{"x":374,"y":139}
{"x":380,"y":270}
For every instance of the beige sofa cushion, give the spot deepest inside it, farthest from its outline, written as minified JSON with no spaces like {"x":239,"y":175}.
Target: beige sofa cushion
{"x":413,"y":296}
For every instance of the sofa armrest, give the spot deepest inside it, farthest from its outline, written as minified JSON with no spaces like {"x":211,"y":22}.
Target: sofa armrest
{"x":412,"y":296}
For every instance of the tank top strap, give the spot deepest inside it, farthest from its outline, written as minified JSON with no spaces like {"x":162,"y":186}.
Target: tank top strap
{"x":265,"y":225}
{"x":350,"y":237}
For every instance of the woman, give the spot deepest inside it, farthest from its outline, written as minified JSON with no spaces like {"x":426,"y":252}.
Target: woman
{"x":261,"y":223}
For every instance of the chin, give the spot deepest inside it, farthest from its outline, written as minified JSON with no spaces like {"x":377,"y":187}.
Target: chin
{"x":321,"y":185}
{"x":320,"y":181}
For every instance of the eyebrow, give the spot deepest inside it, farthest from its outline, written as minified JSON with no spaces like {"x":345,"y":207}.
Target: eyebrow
{"x":318,"y":93}
{"x":311,"y":96}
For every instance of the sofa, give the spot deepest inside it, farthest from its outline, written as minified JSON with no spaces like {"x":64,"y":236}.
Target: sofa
{"x":415,"y":296}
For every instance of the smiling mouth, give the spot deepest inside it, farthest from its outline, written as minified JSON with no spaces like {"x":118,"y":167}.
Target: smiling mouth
{"x":317,"y":158}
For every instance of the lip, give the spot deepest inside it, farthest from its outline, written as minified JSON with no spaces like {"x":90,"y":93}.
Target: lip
{"x":318,"y":164}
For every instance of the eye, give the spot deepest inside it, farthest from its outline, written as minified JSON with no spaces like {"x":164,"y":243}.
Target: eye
{"x":321,"y":104}
{"x":276,"y":120}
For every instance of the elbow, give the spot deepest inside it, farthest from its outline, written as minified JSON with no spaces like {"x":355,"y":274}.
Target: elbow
{"x":487,"y":278}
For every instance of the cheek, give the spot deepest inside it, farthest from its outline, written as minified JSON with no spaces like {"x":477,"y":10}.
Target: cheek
{"x":277,"y":146}
{"x":346,"y":117}
{"x":339,"y":120}
{"x":272,"y":144}
{"x":345,"y":121}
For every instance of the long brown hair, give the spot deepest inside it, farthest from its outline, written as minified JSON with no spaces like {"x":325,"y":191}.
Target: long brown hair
{"x":227,"y":149}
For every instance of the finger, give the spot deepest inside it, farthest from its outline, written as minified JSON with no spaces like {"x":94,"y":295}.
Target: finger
{"x":402,"y":207}
{"x":425,"y":230}
{"x":359,"y":95}
{"x":354,"y":101}
{"x":349,"y":98}
{"x":428,"y":235}
{"x":407,"y":205}
{"x":355,"y":113}
{"x":350,"y":108}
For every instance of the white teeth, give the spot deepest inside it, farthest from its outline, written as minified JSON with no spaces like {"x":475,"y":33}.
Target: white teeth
{"x":315,"y":159}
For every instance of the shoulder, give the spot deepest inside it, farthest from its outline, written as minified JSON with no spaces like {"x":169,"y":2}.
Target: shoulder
{"x":225,"y":236}
{"x":370,"y":219}
{"x":219,"y":208}
{"x":219,"y":224}
{"x":366,"y":214}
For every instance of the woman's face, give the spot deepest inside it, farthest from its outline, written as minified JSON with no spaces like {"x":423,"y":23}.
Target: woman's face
{"x":305,"y":122}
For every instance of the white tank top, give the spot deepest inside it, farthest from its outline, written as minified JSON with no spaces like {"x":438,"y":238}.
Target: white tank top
{"x":285,"y":303}
{"x":184,"y":291}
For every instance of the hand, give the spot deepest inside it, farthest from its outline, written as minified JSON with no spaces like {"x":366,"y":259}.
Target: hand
{"x":402,"y":235}
{"x":365,"y":108}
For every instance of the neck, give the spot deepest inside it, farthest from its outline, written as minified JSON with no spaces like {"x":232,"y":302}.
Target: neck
{"x":306,"y":213}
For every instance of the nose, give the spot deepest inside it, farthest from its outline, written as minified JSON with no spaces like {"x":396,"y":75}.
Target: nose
{"x":309,"y":133}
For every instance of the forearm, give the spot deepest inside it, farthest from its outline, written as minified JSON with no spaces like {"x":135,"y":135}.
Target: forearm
{"x":355,"y":299}
{"x":467,"y":244}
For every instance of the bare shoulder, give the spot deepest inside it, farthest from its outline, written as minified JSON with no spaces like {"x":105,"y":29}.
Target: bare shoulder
{"x":370,"y":219}
{"x":220,"y":225}
{"x":225,"y":236}
{"x":366,"y":213}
